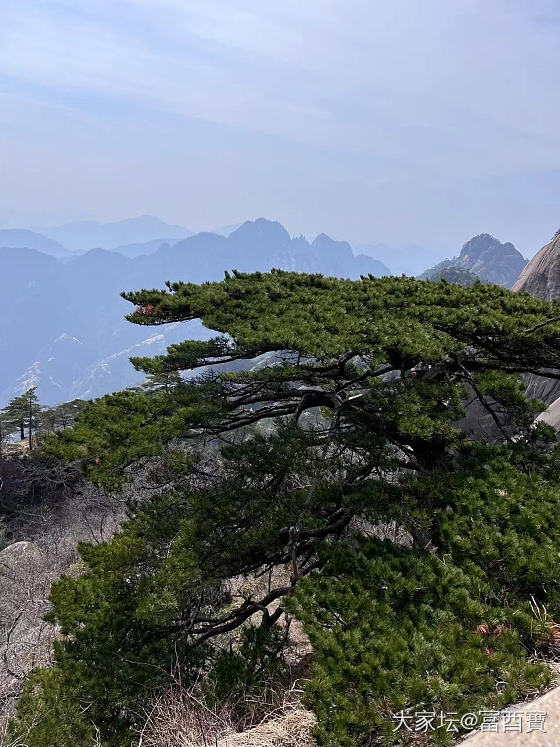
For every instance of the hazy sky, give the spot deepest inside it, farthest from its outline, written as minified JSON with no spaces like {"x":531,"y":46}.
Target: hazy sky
{"x":398,"y":121}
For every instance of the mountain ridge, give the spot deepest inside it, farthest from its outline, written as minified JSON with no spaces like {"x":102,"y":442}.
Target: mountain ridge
{"x":22,"y":238}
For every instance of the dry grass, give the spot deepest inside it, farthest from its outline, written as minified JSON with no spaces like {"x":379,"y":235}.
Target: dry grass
{"x":273,"y":718}
{"x":291,"y":730}
{"x":181,"y":719}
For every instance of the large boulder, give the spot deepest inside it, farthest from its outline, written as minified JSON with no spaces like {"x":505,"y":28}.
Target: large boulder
{"x":551,"y":416}
{"x":18,"y":556}
{"x":541,"y":277}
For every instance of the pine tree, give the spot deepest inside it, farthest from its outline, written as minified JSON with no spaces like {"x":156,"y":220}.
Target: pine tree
{"x":24,"y":413}
{"x":165,"y":380}
{"x":345,"y":420}
{"x":60,"y":416}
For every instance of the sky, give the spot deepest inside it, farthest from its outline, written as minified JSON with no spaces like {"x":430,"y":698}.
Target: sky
{"x":414,"y":123}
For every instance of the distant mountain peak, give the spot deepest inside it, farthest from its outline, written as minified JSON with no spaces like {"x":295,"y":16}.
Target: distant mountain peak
{"x":264,"y":230}
{"x":485,"y":242}
{"x":144,"y":221}
{"x":485,"y":238}
{"x":323,"y":239}
{"x":486,"y":257}
{"x":262,"y":224}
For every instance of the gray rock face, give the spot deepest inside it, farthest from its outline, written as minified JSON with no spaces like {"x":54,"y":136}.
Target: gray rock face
{"x":541,"y":278}
{"x":551,"y":416}
{"x":19,"y":554}
{"x":538,"y":387}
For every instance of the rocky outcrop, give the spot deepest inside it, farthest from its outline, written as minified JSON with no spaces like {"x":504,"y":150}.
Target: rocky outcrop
{"x":541,"y":277}
{"x":551,"y":416}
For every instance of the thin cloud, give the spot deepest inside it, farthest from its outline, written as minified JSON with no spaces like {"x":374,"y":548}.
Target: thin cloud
{"x":426,"y":92}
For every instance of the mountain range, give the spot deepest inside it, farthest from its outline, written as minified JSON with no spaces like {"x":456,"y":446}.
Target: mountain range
{"x":63,"y":330}
{"x":132,"y":237}
{"x":62,"y":327}
{"x":84,"y":235}
{"x":17,"y":238}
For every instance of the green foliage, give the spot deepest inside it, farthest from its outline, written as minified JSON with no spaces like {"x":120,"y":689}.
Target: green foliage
{"x":324,"y":317}
{"x":119,"y":429}
{"x":121,"y":641}
{"x":24,"y":413}
{"x":346,"y":420}
{"x":49,"y":715}
{"x":243,"y":673}
{"x":395,"y":631}
{"x":60,"y":417}
{"x":505,"y":521}
{"x":165,"y":380}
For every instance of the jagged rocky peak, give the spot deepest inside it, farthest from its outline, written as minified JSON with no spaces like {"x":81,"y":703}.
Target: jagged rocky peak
{"x":328,"y":247}
{"x":487,"y":258}
{"x":261,"y":229}
{"x":491,"y":260}
{"x":478,"y":247}
{"x":541,"y":277}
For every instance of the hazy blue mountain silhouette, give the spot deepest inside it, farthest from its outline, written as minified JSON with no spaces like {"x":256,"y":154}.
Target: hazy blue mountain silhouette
{"x":84,"y":235}
{"x":226,"y":230}
{"x":63,"y":326}
{"x":16,"y":238}
{"x":143,"y":247}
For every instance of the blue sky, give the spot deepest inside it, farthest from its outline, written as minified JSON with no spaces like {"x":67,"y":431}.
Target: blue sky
{"x":408,"y":122}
